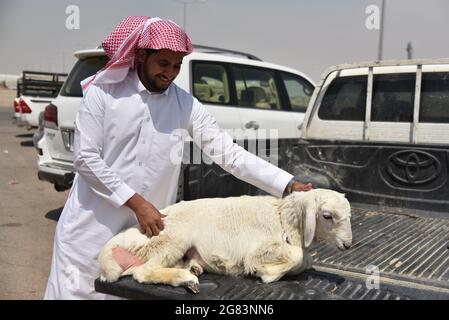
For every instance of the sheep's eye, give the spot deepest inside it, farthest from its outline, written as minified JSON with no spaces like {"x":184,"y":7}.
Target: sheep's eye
{"x":327,"y":216}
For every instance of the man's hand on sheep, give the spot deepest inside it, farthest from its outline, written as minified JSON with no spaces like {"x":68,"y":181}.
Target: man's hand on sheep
{"x":298,"y":186}
{"x":149,"y":218}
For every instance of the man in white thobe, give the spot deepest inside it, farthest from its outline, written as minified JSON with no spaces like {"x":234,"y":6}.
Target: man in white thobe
{"x":131,"y":118}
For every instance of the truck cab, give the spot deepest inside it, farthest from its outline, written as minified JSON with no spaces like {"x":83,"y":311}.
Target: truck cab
{"x":379,"y":132}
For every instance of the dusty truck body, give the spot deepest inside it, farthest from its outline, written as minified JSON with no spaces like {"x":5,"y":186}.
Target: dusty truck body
{"x":379,"y":132}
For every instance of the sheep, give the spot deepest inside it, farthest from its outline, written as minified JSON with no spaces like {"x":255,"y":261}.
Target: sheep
{"x":263,"y":236}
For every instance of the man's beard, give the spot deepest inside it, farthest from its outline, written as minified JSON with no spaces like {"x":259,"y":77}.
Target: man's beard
{"x":148,"y":82}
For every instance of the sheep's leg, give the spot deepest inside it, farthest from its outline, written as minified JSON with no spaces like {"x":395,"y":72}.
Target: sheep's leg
{"x":306,"y":264}
{"x":192,"y":265}
{"x":221,"y":263}
{"x":191,"y":261}
{"x":274,"y":261}
{"x":171,"y":276}
{"x":194,"y":262}
{"x":164,"y":252}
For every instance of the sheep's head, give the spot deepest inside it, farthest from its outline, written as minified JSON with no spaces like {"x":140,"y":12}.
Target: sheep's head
{"x":333,"y":219}
{"x":326,"y":216}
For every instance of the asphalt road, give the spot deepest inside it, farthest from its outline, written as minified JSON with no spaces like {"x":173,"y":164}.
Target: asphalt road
{"x":29,"y":210}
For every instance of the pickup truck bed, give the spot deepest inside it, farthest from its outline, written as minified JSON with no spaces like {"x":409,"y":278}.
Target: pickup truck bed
{"x":409,"y":248}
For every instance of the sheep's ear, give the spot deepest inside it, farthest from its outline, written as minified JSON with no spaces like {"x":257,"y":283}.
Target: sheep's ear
{"x":309,"y":223}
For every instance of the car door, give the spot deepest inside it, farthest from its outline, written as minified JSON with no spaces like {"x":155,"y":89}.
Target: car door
{"x":260,"y":102}
{"x":210,"y":85}
{"x":298,"y":91}
{"x":340,"y":108}
{"x":265,"y":122}
{"x":433,"y":121}
{"x":392,"y":104}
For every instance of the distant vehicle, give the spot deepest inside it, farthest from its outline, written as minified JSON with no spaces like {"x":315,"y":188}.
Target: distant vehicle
{"x":35,"y":90}
{"x":241,"y":92}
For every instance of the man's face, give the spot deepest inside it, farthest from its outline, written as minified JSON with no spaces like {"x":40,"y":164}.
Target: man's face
{"x":158,"y":69}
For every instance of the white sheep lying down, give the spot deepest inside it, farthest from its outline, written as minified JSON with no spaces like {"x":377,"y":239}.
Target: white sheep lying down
{"x":262,"y":236}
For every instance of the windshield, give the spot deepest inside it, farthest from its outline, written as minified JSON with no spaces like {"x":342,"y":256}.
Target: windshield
{"x":83,"y":69}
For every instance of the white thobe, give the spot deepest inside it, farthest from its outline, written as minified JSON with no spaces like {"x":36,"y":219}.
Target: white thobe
{"x":127,"y":141}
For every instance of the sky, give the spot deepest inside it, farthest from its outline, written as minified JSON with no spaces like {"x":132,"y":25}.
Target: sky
{"x":309,"y":36}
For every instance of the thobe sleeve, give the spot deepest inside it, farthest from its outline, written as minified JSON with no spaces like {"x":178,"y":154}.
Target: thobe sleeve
{"x":88,"y":146}
{"x":219,"y":146}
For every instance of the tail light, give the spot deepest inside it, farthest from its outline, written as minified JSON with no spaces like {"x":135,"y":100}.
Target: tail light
{"x":51,"y":116}
{"x":24,"y":106}
{"x":16,"y":106}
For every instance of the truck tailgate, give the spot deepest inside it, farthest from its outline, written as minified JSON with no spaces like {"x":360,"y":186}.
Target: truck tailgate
{"x":406,"y":248}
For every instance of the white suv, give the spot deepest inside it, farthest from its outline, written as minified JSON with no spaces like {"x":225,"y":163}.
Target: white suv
{"x":241,"y":92}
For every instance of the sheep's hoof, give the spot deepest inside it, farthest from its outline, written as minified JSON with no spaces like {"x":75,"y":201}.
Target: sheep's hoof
{"x":196,"y":270}
{"x":110,"y":277}
{"x":192,"y":286}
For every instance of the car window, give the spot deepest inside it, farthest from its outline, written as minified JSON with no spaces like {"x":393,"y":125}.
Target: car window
{"x":299,"y":91}
{"x":83,"y":69}
{"x":256,"y":88}
{"x":345,"y":99}
{"x":393,"y":96}
{"x":210,"y":83}
{"x":434,"y":98}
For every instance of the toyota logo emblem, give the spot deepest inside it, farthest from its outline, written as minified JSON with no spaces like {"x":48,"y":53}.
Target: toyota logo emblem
{"x":413,"y":167}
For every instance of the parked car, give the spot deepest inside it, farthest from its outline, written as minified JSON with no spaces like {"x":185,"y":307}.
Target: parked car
{"x":379,"y":132}
{"x":55,"y":148}
{"x":240,"y":90}
{"x":35,"y":90}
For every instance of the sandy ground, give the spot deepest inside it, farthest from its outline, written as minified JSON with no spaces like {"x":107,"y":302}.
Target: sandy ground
{"x":29,"y":210}
{"x":7,"y":97}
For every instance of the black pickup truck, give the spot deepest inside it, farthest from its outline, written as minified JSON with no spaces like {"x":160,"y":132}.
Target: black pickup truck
{"x":379,"y":132}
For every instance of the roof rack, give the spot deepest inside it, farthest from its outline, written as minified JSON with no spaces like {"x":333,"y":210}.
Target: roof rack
{"x":207,"y":49}
{"x":41,"y":84}
{"x":388,"y":63}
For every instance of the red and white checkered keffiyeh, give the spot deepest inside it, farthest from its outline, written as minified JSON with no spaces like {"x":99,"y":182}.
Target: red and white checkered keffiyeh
{"x":137,"y":33}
